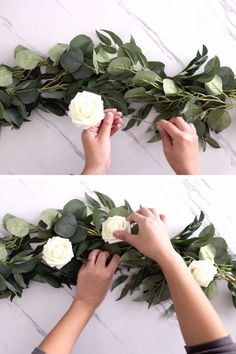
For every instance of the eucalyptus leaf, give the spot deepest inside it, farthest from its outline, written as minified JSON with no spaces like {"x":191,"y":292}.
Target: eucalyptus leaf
{"x":17,"y":227}
{"x":218,"y":120}
{"x":119,"y":66}
{"x":66,"y":226}
{"x":56,"y":52}
{"x":6,"y":78}
{"x":27,"y":59}
{"x":145,"y":78}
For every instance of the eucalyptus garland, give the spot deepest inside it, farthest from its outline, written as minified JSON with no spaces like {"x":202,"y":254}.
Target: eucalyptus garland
{"x":80,"y":223}
{"x":123,"y":76}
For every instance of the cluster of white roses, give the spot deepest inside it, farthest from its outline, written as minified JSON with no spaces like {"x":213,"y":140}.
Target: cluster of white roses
{"x":58,"y":251}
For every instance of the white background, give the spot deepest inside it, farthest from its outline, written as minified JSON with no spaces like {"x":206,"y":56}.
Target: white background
{"x":117,"y":327}
{"x":170,"y":31}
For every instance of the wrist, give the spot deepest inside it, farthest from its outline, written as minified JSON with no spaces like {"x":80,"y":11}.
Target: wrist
{"x":86,"y":305}
{"x":98,"y":170}
{"x":167,"y":259}
{"x":191,"y":170}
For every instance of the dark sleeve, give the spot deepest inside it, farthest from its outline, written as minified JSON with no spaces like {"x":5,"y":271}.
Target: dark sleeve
{"x":38,"y":351}
{"x":220,"y":346}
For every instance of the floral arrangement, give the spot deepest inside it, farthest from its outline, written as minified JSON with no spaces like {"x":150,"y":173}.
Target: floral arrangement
{"x":124,"y":78}
{"x":53,"y":251}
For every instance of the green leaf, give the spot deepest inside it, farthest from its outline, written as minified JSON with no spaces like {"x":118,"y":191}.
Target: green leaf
{"x":56,"y":52}
{"x":6,"y":78}
{"x":119,"y":66}
{"x":83,"y":73}
{"x":22,"y":257}
{"x":145,"y":78}
{"x":20,"y":280}
{"x":27,"y":59}
{"x":83,"y":246}
{"x":3,"y":253}
{"x":136,"y":93}
{"x":227,"y":76}
{"x":58,"y":95}
{"x":109,"y":49}
{"x":3,"y":284}
{"x":207,"y":252}
{"x":218,"y":120}
{"x":97,"y":218}
{"x":25,"y":267}
{"x":120,"y":211}
{"x":66,"y":226}
{"x":28,"y":96}
{"x":221,"y":248}
{"x":114,"y":37}
{"x":49,"y":217}
{"x":91,"y":201}
{"x":170,"y":87}
{"x":51,"y":280}
{"x":124,"y":292}
{"x":12,"y":116}
{"x":105,"y":200}
{"x":80,"y":235}
{"x":121,"y":279}
{"x":77,"y":208}
{"x":158,"y":67}
{"x":208,"y":231}
{"x":215,"y":86}
{"x":84,"y":43}
{"x":212,"y":142}
{"x":17,"y":227}
{"x":104,"y":39}
{"x":5,"y":99}
{"x":212,"y":290}
{"x":72,"y":59}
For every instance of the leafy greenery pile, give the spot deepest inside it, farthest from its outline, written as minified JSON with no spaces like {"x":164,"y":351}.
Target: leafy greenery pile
{"x":81,"y":222}
{"x":122,"y":75}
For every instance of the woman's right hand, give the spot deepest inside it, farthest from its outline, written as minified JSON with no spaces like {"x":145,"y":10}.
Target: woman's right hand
{"x":153,"y":240}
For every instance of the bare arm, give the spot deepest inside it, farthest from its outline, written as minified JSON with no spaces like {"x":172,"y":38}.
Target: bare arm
{"x":94,"y":280}
{"x":191,"y":304}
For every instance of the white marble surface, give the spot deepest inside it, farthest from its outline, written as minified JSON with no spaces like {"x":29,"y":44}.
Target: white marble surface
{"x":166,"y":30}
{"x":117,"y":327}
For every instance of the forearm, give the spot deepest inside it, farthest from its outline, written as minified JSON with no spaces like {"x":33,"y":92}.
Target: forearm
{"x":197,"y":318}
{"x":64,"y":335}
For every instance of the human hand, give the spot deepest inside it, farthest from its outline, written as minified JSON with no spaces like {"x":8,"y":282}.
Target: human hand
{"x":94,"y":278}
{"x":180,"y":145}
{"x":97,"y":143}
{"x":152,"y":240}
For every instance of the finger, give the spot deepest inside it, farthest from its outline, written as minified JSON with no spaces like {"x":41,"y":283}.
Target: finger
{"x":102,"y":258}
{"x":180,"y":123}
{"x":113,"y":110}
{"x":135,"y":217}
{"x":126,"y":237}
{"x":106,"y":126}
{"x":115,"y":129}
{"x":154,"y":212}
{"x":92,"y":257}
{"x":145,"y":212}
{"x":112,"y":266}
{"x":118,"y":114}
{"x":162,"y":217}
{"x":169,"y":128}
{"x":192,"y":126}
{"x":166,"y":140}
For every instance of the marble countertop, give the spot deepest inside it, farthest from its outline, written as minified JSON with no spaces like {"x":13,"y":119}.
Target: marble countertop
{"x":117,"y":327}
{"x":166,"y":30}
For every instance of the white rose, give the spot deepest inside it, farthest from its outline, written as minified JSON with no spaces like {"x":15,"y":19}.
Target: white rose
{"x":57,"y":252}
{"x":112,"y":224}
{"x":203,"y":271}
{"x":86,"y":109}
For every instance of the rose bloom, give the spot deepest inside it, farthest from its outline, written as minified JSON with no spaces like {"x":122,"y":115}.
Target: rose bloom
{"x":114,"y":223}
{"x":57,"y":252}
{"x":203,"y":271}
{"x":86,"y":109}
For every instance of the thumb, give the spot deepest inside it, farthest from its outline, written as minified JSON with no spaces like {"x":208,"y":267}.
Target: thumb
{"x":106,"y":126}
{"x":126,"y":237}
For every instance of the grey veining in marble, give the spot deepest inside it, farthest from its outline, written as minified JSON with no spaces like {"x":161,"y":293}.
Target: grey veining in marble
{"x":125,"y":326}
{"x":166,"y":30}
